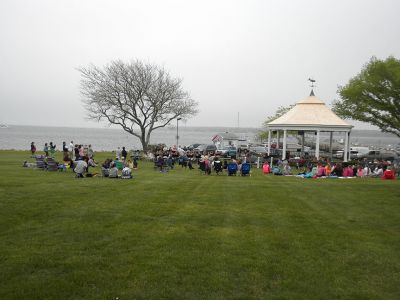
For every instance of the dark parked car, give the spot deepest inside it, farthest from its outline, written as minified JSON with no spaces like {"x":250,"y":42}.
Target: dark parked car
{"x":227,"y":151}
{"x":205,"y":149}
{"x":193,"y":146}
{"x":381,"y":155}
{"x":260,"y":150}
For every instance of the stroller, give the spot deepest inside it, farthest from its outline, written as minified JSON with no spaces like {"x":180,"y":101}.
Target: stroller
{"x":245,"y":170}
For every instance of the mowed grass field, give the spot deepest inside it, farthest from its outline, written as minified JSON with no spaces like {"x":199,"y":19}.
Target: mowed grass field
{"x":183,"y":235}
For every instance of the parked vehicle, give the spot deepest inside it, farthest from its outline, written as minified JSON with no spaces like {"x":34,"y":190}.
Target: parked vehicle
{"x":227,"y":151}
{"x":192,"y":146}
{"x":260,"y":150}
{"x":205,"y":149}
{"x":364,"y":152}
{"x":358,"y":152}
{"x":381,"y":155}
{"x":210,"y":149}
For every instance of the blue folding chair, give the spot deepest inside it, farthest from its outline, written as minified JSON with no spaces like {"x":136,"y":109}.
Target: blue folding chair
{"x":245,"y":170}
{"x":232,"y":169}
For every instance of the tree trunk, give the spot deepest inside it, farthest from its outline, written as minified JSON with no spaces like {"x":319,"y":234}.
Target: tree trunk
{"x":143,"y":139}
{"x":144,"y":145}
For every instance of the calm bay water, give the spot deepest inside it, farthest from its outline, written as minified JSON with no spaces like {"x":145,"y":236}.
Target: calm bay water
{"x":20,"y":137}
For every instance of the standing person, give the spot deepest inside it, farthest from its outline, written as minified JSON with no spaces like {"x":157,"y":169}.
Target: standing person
{"x":46,"y":150}
{"x":81,"y":153}
{"x":65,"y":151}
{"x":52,"y":149}
{"x":71,"y":149}
{"x":123,"y":153}
{"x":76,"y":150}
{"x":90,"y":152}
{"x":33,"y":148}
{"x":118,"y":153}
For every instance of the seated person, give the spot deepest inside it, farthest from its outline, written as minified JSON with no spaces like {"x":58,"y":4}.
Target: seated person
{"x":160,"y":162}
{"x":378,"y":172}
{"x":91,"y":162}
{"x":126,"y":173}
{"x":314,"y":171}
{"x":360,"y":172}
{"x":337,"y":170}
{"x":388,"y":174}
{"x":118,"y":164}
{"x":286,"y":170}
{"x":106,"y":164}
{"x":348,"y":171}
{"x":80,"y":167}
{"x":113,"y":173}
{"x":366,"y":171}
{"x":190,"y":165}
{"x":217,"y":165}
{"x":320,"y":170}
{"x":276,"y":171}
{"x":129,"y":164}
{"x":328,"y":169}
{"x":266,"y":169}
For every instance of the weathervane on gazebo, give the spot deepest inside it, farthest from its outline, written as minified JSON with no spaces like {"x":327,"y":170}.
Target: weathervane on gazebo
{"x":312,"y":86}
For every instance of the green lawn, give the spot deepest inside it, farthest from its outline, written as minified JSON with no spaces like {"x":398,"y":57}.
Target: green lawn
{"x":182,"y":235}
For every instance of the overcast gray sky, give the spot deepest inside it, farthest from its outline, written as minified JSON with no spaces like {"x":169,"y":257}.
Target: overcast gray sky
{"x":234,"y":56}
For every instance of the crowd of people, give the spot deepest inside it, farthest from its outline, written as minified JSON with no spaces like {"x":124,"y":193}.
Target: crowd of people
{"x":334,"y":170}
{"x":166,"y":159}
{"x":80,"y":158}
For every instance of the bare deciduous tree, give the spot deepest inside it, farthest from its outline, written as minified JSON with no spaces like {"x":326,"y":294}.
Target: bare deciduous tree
{"x":138,"y":97}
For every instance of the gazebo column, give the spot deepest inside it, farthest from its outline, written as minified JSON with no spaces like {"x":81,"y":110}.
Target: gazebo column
{"x":302,"y":143}
{"x":346,"y":147}
{"x":269,"y":142}
{"x":330,"y":144}
{"x":277,"y":140}
{"x":317,"y":146}
{"x":284,"y":144}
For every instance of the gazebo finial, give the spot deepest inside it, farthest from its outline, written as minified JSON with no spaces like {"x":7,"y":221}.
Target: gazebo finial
{"x":312,"y":86}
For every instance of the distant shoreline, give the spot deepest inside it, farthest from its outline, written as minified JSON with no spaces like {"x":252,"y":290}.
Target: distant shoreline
{"x":183,"y":126}
{"x":19,"y":137}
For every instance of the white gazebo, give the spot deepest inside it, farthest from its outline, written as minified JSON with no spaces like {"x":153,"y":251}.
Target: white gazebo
{"x":310,"y":115}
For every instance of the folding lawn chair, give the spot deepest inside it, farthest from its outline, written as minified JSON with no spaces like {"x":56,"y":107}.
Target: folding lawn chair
{"x":232,"y":169}
{"x":245,"y":170}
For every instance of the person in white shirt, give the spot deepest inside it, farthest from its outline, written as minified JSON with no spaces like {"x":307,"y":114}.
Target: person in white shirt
{"x":71,"y":148}
{"x":118,"y":153}
{"x":378,"y":172}
{"x":126,"y":173}
{"x":366,"y":171}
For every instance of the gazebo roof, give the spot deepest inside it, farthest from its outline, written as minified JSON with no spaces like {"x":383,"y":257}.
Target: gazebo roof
{"x":310,"y":112}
